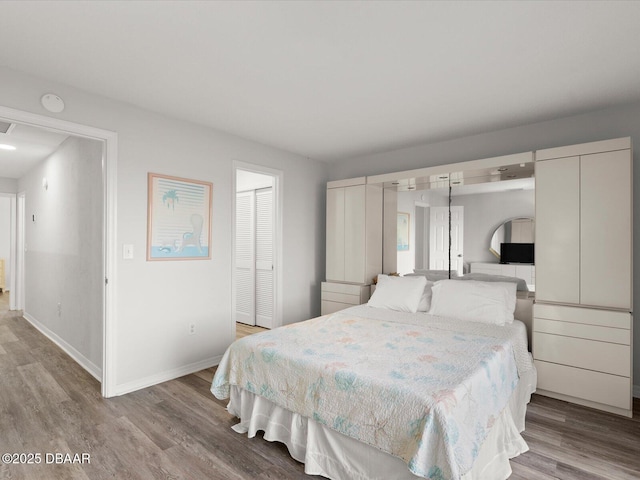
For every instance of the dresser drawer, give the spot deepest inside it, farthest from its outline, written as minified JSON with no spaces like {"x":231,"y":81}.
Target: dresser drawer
{"x":347,"y":288}
{"x":577,"y":352}
{"x":585,"y":384}
{"x":341,"y":298}
{"x":338,"y":296}
{"x":579,"y":330}
{"x":327,"y":307}
{"x":490,"y":268}
{"x":588,"y":316}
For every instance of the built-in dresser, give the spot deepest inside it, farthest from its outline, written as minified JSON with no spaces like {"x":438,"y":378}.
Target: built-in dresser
{"x":354,"y":243}
{"x":582,"y":325}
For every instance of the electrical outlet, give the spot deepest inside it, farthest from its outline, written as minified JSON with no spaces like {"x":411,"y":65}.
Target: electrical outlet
{"x":192,"y":329}
{"x":59,"y":309}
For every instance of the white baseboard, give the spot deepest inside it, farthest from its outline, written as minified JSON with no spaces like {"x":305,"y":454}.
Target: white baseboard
{"x":636,"y":391}
{"x":167,"y":375}
{"x":80,"y":359}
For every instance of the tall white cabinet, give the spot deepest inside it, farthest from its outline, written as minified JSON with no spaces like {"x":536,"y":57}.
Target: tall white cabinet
{"x":582,"y":331}
{"x":354,"y":236}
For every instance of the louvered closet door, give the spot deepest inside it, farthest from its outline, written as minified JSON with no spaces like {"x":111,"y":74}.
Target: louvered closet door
{"x":245,"y":258}
{"x":264,"y":257}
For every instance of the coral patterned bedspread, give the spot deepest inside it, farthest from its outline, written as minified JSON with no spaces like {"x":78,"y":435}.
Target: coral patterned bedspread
{"x":427,"y":391}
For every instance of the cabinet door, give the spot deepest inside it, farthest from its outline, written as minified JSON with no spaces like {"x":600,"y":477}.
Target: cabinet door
{"x":335,"y":234}
{"x":558,"y":230}
{"x":354,"y":233}
{"x":605,"y":230}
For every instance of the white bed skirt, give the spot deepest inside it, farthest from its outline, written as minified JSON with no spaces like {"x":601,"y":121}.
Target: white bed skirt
{"x":329,"y":453}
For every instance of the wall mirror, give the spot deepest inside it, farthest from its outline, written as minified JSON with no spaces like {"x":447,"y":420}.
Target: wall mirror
{"x":515,"y":230}
{"x":479,"y":200}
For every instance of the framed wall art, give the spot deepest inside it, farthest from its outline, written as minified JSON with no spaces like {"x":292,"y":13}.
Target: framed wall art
{"x":178,"y":218}
{"x":403,"y":231}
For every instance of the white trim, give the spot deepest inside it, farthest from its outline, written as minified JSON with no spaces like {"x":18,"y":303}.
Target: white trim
{"x":12,"y":249}
{"x":18,"y":294}
{"x":168,"y":375}
{"x":623,"y":143}
{"x":349,"y":182}
{"x":80,"y":359}
{"x":109,"y":323}
{"x":636,"y":391}
{"x":12,"y":260}
{"x":278,"y":187}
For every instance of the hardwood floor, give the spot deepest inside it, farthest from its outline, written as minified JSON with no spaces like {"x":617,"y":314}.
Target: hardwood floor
{"x":178,"y":430}
{"x":243,"y":330}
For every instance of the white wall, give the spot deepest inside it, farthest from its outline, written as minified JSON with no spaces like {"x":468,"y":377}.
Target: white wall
{"x":158,"y":300}
{"x":615,"y":122}
{"x":63,"y":261}
{"x":5,"y":237}
{"x":8,"y":185}
{"x":484,"y":212}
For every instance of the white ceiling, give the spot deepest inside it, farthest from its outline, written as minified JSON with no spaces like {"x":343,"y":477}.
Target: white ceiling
{"x":32,"y":146}
{"x":331,"y":80}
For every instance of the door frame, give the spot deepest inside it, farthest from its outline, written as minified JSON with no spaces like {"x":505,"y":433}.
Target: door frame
{"x":12,"y":248}
{"x":109,"y":181}
{"x":18,"y":242}
{"x":277,"y":176}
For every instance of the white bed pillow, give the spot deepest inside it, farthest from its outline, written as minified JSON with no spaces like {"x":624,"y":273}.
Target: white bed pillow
{"x":398,"y":293}
{"x":484,"y":302}
{"x":425,"y":300}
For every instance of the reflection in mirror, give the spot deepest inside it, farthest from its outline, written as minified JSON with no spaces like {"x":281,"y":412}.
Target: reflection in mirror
{"x":516,"y":230}
{"x":480,"y":207}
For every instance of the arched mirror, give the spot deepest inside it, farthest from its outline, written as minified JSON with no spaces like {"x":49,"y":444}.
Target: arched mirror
{"x":518,"y":231}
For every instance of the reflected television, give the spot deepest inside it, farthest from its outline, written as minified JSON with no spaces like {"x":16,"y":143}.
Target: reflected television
{"x":517,"y":253}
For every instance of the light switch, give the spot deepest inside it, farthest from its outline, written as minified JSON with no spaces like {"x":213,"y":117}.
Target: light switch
{"x":127,"y":252}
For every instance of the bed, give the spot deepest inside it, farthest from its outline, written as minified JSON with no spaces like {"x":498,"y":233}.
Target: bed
{"x":393,"y":389}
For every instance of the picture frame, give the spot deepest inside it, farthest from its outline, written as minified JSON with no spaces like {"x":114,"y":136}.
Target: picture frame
{"x":403,"y":232}
{"x":178,"y":218}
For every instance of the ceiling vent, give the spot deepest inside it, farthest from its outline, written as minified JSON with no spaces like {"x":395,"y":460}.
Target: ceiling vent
{"x":6,"y":127}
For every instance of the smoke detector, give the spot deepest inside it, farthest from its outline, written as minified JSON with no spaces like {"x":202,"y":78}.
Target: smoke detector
{"x":52,"y":102}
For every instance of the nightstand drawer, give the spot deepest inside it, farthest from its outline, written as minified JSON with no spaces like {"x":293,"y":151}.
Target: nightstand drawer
{"x":577,"y":352}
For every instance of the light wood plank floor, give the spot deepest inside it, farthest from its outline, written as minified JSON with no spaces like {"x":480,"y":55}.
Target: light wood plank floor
{"x":178,"y":430}
{"x":243,"y":330}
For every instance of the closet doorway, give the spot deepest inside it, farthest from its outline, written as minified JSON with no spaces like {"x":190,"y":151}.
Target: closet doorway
{"x":256,"y":241}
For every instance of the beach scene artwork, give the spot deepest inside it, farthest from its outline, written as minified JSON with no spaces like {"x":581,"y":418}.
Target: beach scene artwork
{"x":179,"y":218}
